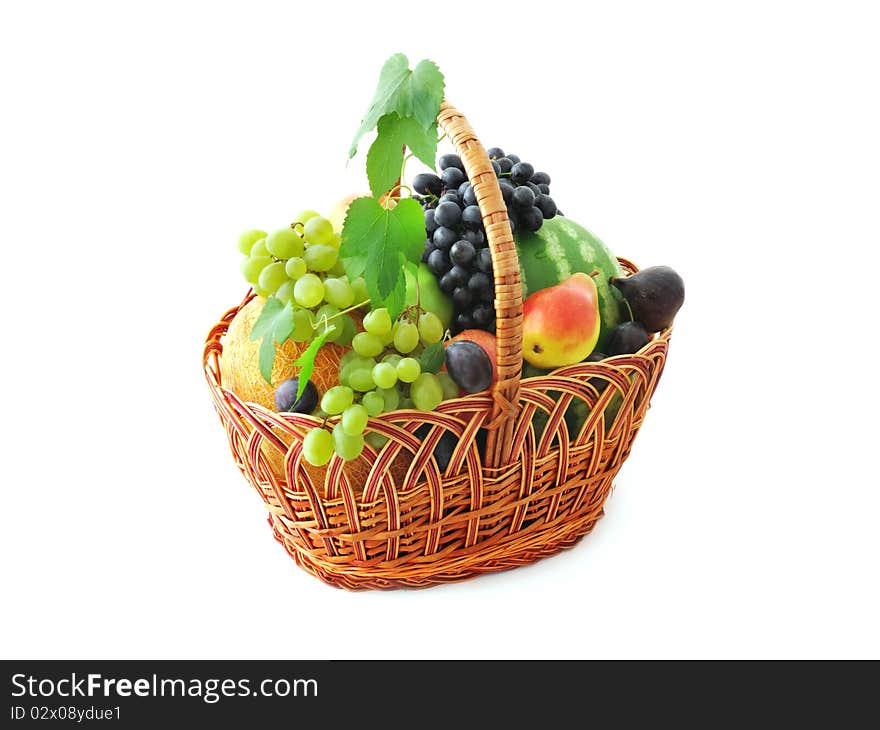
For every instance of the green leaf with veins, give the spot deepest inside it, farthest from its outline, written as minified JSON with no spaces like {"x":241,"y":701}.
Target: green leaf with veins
{"x":267,"y":357}
{"x":432,"y":358}
{"x":275,"y":323}
{"x":385,"y":158}
{"x":266,"y":321}
{"x":378,"y":243}
{"x":415,"y":93}
{"x":306,"y":361}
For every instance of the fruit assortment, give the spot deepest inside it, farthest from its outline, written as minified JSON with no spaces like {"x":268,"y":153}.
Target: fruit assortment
{"x":456,"y":250}
{"x":402,"y":281}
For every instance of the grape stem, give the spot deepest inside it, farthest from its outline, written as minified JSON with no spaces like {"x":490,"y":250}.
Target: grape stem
{"x":397,"y":189}
{"x":326,"y":319}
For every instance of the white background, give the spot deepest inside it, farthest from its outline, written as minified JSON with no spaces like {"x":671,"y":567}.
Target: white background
{"x":737,"y":142}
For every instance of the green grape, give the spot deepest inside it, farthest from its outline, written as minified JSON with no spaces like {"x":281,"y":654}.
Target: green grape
{"x":336,"y":241}
{"x":261,"y":292}
{"x":247,"y":240}
{"x":305,"y":215}
{"x":318,"y":230}
{"x":348,"y":447}
{"x":374,"y":402}
{"x":450,"y":387}
{"x":366,"y":344}
{"x":408,"y":369}
{"x":338,"y":269}
{"x":284,"y":243}
{"x":362,"y":379}
{"x":303,"y":325}
{"x":426,"y":392}
{"x":393,"y":358}
{"x":308,"y":291}
{"x":406,"y":337}
{"x":376,"y":440}
{"x":360,"y":290}
{"x":272,"y":277}
{"x":354,"y":419}
{"x":285,"y":291}
{"x":358,"y":362}
{"x":251,"y":268}
{"x":317,"y":447}
{"x":391,"y":396}
{"x":385,"y":375}
{"x":346,"y":358}
{"x":328,"y":312}
{"x":295,"y":267}
{"x":337,"y":399}
{"x":259,"y":249}
{"x":349,"y":330}
{"x":377,"y":322}
{"x":339,"y":292}
{"x":319,"y":257}
{"x":430,"y":328}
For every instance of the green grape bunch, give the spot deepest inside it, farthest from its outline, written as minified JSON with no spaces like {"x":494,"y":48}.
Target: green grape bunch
{"x":299,"y":266}
{"x":381,"y":373}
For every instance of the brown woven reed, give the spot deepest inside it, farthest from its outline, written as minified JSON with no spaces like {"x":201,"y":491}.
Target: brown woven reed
{"x":530,"y":496}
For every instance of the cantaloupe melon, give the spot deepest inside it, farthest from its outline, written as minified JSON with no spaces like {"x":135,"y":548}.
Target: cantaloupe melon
{"x":239,"y":366}
{"x":240,"y":373}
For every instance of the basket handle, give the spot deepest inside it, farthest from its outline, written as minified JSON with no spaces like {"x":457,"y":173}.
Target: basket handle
{"x":508,"y":290}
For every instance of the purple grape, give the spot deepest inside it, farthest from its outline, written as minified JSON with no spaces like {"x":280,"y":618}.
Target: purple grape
{"x":427,"y":183}
{"x":450,"y":160}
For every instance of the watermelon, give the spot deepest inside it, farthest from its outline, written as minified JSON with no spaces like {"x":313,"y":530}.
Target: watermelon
{"x":561,"y":248}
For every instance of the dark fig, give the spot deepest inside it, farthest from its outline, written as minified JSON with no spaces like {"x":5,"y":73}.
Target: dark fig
{"x":469,"y":366}
{"x":628,"y":337}
{"x":285,"y":397}
{"x":654,"y":295}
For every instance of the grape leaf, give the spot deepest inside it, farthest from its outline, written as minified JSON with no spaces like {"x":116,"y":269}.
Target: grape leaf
{"x":266,"y":321}
{"x":267,"y":357}
{"x":433,"y":357}
{"x":385,"y":158}
{"x":275,"y":323}
{"x":415,"y":93}
{"x":378,"y":243}
{"x":306,"y":361}
{"x":386,"y":283}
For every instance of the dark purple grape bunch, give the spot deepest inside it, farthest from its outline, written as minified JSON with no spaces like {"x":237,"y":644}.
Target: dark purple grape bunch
{"x":456,"y":251}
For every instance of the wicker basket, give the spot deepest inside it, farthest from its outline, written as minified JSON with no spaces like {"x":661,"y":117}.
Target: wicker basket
{"x":527,"y":497}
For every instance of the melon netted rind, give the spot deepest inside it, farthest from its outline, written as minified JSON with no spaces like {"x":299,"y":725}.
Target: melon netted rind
{"x":239,"y":364}
{"x":561,"y":248}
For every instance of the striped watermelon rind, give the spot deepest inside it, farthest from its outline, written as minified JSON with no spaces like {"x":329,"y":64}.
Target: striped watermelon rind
{"x":561,"y":248}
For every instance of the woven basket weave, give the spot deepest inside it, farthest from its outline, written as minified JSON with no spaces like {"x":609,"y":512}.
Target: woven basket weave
{"x":525,"y":498}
